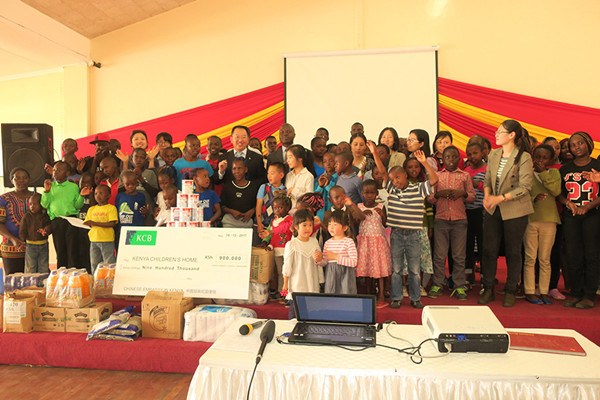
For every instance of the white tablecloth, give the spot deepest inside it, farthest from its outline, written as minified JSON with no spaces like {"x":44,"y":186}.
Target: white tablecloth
{"x":324,"y":372}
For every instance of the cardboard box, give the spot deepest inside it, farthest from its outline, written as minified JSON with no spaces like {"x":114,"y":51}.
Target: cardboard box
{"x":18,"y":313}
{"x":81,"y":320}
{"x":162,"y":314}
{"x":262,"y":262}
{"x":49,"y":319}
{"x":39,"y":294}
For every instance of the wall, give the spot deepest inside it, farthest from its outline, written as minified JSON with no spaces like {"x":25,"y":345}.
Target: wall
{"x":205,"y":51}
{"x":58,"y":98}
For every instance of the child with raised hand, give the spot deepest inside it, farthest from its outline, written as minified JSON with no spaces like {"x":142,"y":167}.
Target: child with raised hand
{"x":169,"y":157}
{"x":374,"y":258}
{"x":325,"y":182}
{"x":34,"y":231}
{"x":300,"y":259}
{"x":347,"y":177}
{"x":87,"y":181}
{"x":209,"y":201}
{"x":299,"y":180}
{"x":453,"y":190}
{"x":267,"y":193}
{"x":190,"y":161}
{"x":146,"y":178}
{"x":279,"y":232}
{"x":101,"y":218}
{"x":405,"y":217}
{"x":541,"y":229}
{"x":340,"y":256}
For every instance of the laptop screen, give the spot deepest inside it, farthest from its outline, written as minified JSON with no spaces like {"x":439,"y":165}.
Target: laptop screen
{"x":317,"y":307}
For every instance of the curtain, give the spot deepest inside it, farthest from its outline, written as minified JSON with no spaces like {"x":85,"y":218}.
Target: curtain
{"x":260,"y":110}
{"x":466,"y":109}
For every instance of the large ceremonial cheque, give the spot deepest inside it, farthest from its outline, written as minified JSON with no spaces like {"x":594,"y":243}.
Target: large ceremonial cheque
{"x":203,"y":262}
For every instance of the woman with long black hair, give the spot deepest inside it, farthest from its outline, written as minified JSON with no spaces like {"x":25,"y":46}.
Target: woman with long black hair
{"x":507,"y":204}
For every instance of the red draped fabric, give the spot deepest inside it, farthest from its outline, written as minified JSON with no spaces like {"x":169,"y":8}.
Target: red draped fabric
{"x":261,"y":110}
{"x":464,"y":110}
{"x":467,"y":109}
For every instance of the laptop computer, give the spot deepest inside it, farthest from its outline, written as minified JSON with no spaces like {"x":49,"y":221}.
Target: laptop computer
{"x":333,"y":319}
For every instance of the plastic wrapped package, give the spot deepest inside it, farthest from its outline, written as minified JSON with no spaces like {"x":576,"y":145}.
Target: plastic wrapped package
{"x":258,"y":295}
{"x":104,"y":278}
{"x":123,"y":326}
{"x":70,"y":288}
{"x":115,"y":320}
{"x":206,"y":323}
{"x":21,"y":280}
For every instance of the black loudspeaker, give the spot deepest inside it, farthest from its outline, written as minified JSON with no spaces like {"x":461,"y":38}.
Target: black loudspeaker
{"x":27,"y":146}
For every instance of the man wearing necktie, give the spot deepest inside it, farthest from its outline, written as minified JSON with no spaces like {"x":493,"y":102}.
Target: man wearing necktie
{"x":240,"y":137}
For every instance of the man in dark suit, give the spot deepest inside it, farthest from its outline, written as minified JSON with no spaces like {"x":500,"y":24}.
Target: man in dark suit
{"x":240,"y":137}
{"x":287,"y":133}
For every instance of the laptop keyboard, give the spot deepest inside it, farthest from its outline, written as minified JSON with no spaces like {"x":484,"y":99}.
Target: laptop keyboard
{"x":334,"y":330}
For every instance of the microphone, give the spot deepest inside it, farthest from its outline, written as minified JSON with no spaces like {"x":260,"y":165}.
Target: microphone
{"x":247,"y":329}
{"x":266,"y":335}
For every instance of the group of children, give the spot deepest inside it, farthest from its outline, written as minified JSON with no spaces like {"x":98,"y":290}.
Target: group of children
{"x":367,"y":216}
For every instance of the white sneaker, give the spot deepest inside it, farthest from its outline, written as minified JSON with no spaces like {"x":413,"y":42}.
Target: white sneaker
{"x":423,"y":292}
{"x":404,"y":291}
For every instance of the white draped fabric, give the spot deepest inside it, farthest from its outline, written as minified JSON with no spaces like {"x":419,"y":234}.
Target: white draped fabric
{"x":329,"y":373}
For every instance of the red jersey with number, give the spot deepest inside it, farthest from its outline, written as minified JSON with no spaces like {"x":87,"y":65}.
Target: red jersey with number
{"x":575,"y":187}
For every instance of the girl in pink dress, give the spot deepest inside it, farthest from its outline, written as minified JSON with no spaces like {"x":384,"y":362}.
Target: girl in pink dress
{"x":374,"y":257}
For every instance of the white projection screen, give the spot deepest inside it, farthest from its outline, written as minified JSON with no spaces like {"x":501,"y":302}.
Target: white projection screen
{"x":379,"y":88}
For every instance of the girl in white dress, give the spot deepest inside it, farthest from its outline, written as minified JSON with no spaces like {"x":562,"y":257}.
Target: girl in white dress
{"x":301,"y":255}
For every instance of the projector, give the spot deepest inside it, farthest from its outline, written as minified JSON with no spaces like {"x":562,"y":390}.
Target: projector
{"x":463,"y":329}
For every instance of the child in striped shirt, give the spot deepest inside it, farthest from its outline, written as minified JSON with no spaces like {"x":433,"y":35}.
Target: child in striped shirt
{"x":476,"y":168}
{"x":406,"y":206}
{"x":340,"y":255}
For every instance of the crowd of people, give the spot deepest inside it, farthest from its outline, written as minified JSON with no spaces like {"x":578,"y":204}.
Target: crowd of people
{"x":385,"y":218}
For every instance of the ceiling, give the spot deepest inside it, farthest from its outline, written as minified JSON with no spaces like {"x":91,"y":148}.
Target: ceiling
{"x":93,"y":18}
{"x":41,"y":35}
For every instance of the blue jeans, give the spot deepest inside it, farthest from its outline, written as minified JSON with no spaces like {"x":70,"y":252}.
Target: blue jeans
{"x":36,"y":258}
{"x":101,"y":252}
{"x":406,"y":242}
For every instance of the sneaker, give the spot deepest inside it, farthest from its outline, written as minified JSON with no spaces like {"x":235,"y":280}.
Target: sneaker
{"x":546,"y":299}
{"x":423,"y":292}
{"x":533,"y":299}
{"x":416,"y":304}
{"x":459,"y":293}
{"x":381,"y":304}
{"x":556,"y":294}
{"x":434,"y":292}
{"x":486,"y":296}
{"x":404,"y":291}
{"x":395,"y":304}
